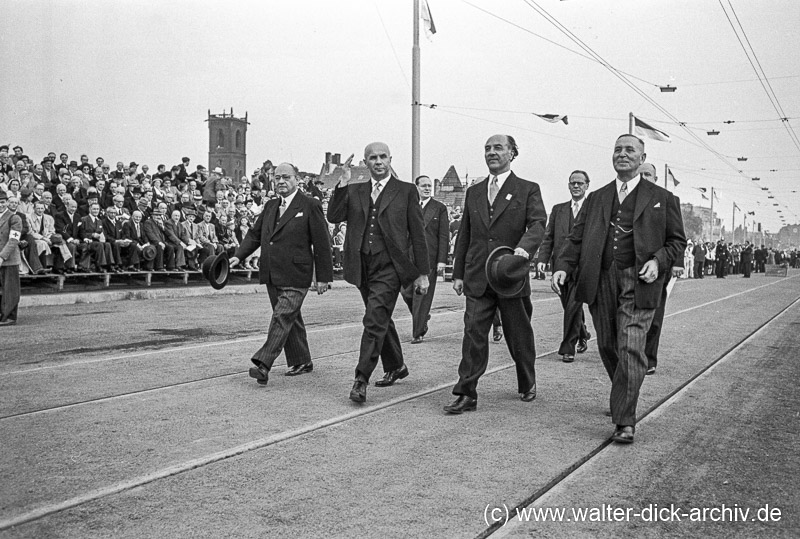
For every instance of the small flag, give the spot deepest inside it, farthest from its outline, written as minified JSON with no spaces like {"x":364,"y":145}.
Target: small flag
{"x":704,"y":197}
{"x":701,"y":189}
{"x":751,"y":213}
{"x":715,"y":195}
{"x":670,"y":176}
{"x":430,"y":28}
{"x":553,"y":118}
{"x":736,"y":207}
{"x":649,"y":131}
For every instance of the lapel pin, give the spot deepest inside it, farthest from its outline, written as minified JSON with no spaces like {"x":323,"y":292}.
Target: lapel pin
{"x":508,"y":196}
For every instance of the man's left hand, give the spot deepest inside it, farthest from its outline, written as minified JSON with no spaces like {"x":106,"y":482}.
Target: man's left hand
{"x":519,"y":251}
{"x":676,"y":271}
{"x":321,"y":288}
{"x":421,"y":285}
{"x":649,"y":271}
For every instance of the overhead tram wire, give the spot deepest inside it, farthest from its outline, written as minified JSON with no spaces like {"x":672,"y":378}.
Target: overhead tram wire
{"x":762,"y":76}
{"x":391,"y":45}
{"x":575,"y":39}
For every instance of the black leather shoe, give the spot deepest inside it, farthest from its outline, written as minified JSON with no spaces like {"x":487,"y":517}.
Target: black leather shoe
{"x":582,"y":346}
{"x":497,"y":334}
{"x":529,"y":395}
{"x":9,"y":322}
{"x":651,"y":370}
{"x":567,"y":358}
{"x":462,"y":404}
{"x":260,"y":373}
{"x":392,"y":376}
{"x":359,"y":391}
{"x":417,"y":340}
{"x":623,"y":434}
{"x":300,"y":369}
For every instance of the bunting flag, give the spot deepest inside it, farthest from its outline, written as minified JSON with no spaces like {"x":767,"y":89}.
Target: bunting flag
{"x":425,"y":12}
{"x":701,"y":189}
{"x":704,"y":197}
{"x":751,"y":213}
{"x":646,"y":130}
{"x":715,"y":195}
{"x":670,"y":176}
{"x":553,"y":118}
{"x":737,"y":207}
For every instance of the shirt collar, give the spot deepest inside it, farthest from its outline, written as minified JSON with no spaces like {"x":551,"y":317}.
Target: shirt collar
{"x":382,"y":182}
{"x":501,"y":178}
{"x":289,"y":198}
{"x":425,"y":202}
{"x":631,"y":184}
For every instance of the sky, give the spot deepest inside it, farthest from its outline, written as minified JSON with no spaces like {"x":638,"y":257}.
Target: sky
{"x":134,"y":80}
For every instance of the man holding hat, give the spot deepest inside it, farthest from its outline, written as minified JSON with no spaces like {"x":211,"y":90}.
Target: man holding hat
{"x":214,"y":184}
{"x":155,"y":232}
{"x":503,"y":215}
{"x":10,"y":233}
{"x":293,"y":236}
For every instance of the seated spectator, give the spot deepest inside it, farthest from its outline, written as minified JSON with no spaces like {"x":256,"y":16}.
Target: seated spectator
{"x":94,"y":252}
{"x":42,"y":229}
{"x":67,"y":227}
{"x":179,"y":238}
{"x":155,"y":232}
{"x":206,"y":237}
{"x":191,"y":253}
{"x":132,"y":230}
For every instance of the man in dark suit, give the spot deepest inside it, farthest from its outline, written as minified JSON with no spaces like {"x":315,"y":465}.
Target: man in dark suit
{"x":437,"y":239}
{"x":112,"y":230}
{"x":558,"y":227}
{"x":647,"y":172}
{"x":67,"y":223}
{"x":384,"y":226}
{"x":699,"y":253}
{"x":133,"y":230}
{"x":294,"y":241}
{"x":154,"y":231}
{"x":501,"y":210}
{"x":621,"y":244}
{"x":93,"y":241}
{"x":747,"y":259}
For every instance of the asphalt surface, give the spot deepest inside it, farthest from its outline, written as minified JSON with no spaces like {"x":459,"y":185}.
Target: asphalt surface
{"x":138,"y":419}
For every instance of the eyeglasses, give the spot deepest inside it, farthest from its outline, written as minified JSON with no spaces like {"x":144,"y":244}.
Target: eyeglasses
{"x":283,"y":176}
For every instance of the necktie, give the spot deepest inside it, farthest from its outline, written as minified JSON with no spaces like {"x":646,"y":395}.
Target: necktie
{"x":282,"y":207}
{"x":376,"y":191}
{"x":623,"y":192}
{"x":575,"y":209}
{"x":493,"y":189}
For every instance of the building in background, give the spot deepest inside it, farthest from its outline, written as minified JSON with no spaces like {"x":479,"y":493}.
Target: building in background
{"x":227,"y":143}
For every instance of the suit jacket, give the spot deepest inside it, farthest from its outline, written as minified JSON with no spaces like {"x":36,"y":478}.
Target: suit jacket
{"x":154,"y":233}
{"x":558,"y":228}
{"x":176,"y":233}
{"x":293,"y":247}
{"x":519,"y":221}
{"x":68,"y":226}
{"x":129,"y":232}
{"x":10,"y":234}
{"x":87,"y":227}
{"x":112,"y":230}
{"x":205,"y":233}
{"x":400,"y":220}
{"x":657,"y":233}
{"x":437,"y":232}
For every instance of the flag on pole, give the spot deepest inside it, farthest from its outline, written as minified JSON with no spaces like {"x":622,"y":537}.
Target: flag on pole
{"x":715,"y":195}
{"x":425,"y":12}
{"x":704,"y":197}
{"x":670,"y":176}
{"x":647,"y":130}
{"x":553,"y":118}
{"x":701,"y":189}
{"x":736,"y":207}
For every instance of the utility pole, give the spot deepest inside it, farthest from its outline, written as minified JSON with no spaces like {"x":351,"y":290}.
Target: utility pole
{"x":415,"y":97}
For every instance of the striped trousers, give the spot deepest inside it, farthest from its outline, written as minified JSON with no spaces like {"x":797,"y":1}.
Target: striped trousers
{"x":287,"y":331}
{"x":621,"y":337}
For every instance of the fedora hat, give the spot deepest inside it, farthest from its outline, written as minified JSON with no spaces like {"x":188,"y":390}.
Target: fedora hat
{"x":506,"y":272}
{"x":149,"y":252}
{"x":216,"y":270}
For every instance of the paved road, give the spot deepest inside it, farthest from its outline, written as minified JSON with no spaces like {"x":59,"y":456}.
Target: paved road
{"x":138,"y":419}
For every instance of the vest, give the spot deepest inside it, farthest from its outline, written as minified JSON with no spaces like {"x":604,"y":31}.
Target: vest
{"x":619,"y":246}
{"x":373,"y":242}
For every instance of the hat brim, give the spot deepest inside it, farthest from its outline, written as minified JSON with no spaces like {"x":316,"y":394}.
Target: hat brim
{"x":501,"y":290}
{"x":216,"y":270}
{"x":149,"y":253}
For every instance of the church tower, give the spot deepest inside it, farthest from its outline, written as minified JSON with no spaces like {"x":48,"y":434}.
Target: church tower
{"x":227,"y":143}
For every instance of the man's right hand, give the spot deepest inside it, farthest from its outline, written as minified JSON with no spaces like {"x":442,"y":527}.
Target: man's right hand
{"x":233,"y":261}
{"x":347,"y":173}
{"x":458,"y":286}
{"x":541,"y":267}
{"x":557,"y":281}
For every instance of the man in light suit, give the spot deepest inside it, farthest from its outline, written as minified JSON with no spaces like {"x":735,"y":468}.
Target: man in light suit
{"x":10,"y":234}
{"x":384,"y":226}
{"x":621,"y":245}
{"x":294,"y":241}
{"x":561,"y":220}
{"x":647,"y":171}
{"x":437,"y":239}
{"x":42,"y":229}
{"x":502,"y":210}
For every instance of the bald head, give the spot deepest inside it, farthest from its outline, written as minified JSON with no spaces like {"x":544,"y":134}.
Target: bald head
{"x":647,"y":171}
{"x":378,"y":159}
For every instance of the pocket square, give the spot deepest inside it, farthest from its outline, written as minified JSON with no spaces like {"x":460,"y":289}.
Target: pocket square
{"x":299,"y":214}
{"x":658,"y":205}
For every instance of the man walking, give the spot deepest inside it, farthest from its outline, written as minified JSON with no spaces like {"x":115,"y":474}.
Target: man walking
{"x":621,"y":245}
{"x":10,"y":233}
{"x":384,"y":225}
{"x":437,"y":239}
{"x":561,"y":220}
{"x":294,"y":241}
{"x":502,"y":210}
